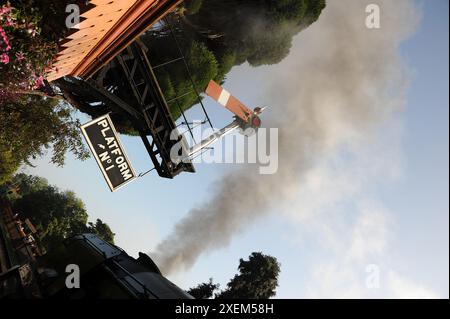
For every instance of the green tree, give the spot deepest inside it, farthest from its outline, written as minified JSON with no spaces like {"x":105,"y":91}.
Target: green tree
{"x":101,"y":229}
{"x":56,"y":214}
{"x":27,"y":184}
{"x":215,"y":35}
{"x":259,"y":32}
{"x":257,"y":279}
{"x":8,"y":164}
{"x":204,"y":290}
{"x":32,"y":124}
{"x":173,"y":78}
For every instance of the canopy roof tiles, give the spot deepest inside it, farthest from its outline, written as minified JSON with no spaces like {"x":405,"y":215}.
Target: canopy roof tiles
{"x":104,"y":30}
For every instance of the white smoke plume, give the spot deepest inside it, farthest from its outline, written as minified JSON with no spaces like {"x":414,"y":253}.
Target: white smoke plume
{"x":340,"y":80}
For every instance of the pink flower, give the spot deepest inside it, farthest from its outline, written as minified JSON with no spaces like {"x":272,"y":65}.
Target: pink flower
{"x":4,"y":10}
{"x":4,"y":58}
{"x":39,"y":82}
{"x":20,"y":56}
{"x":9,"y":21}
{"x":33,"y":32}
{"x":4,"y":40}
{"x":31,"y":29}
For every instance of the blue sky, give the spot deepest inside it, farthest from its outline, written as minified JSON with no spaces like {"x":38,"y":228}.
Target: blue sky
{"x":414,"y":203}
{"x":421,"y":196}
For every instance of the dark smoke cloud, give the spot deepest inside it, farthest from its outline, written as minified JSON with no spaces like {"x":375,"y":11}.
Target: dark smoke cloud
{"x":339,"y":81}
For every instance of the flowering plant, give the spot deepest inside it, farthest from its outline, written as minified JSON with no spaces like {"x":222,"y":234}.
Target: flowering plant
{"x":25,"y":55}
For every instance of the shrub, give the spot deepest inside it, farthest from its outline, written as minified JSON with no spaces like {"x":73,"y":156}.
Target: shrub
{"x":25,"y":55}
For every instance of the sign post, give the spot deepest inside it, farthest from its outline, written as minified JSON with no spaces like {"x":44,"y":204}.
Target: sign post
{"x":109,"y":153}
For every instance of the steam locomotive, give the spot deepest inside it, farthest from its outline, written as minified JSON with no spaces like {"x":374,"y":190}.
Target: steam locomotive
{"x":105,"y":272}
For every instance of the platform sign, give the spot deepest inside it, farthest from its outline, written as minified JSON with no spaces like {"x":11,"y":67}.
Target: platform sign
{"x":109,"y":153}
